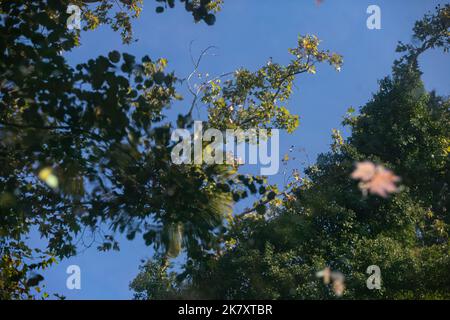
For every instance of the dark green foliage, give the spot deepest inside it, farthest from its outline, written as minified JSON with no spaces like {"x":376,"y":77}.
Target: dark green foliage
{"x":200,"y":9}
{"x":88,"y":147}
{"x":332,"y":224}
{"x":93,"y":126}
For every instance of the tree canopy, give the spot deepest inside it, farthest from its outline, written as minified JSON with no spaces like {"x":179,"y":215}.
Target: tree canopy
{"x":86,"y":148}
{"x":327,"y":224}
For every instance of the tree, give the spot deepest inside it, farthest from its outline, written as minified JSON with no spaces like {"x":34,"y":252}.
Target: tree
{"x":155,"y":281}
{"x":88,"y":146}
{"x":326,"y":223}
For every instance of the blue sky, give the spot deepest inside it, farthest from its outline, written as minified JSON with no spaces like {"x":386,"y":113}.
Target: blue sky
{"x":247,"y":33}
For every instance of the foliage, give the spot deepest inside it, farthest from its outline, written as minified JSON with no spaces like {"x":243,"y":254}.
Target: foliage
{"x":155,"y":281}
{"x":119,"y":15}
{"x":330,"y":224}
{"x":18,"y":276}
{"x":88,"y":146}
{"x":253,"y":99}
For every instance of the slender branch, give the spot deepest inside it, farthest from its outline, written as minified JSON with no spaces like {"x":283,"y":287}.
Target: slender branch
{"x":196,"y":64}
